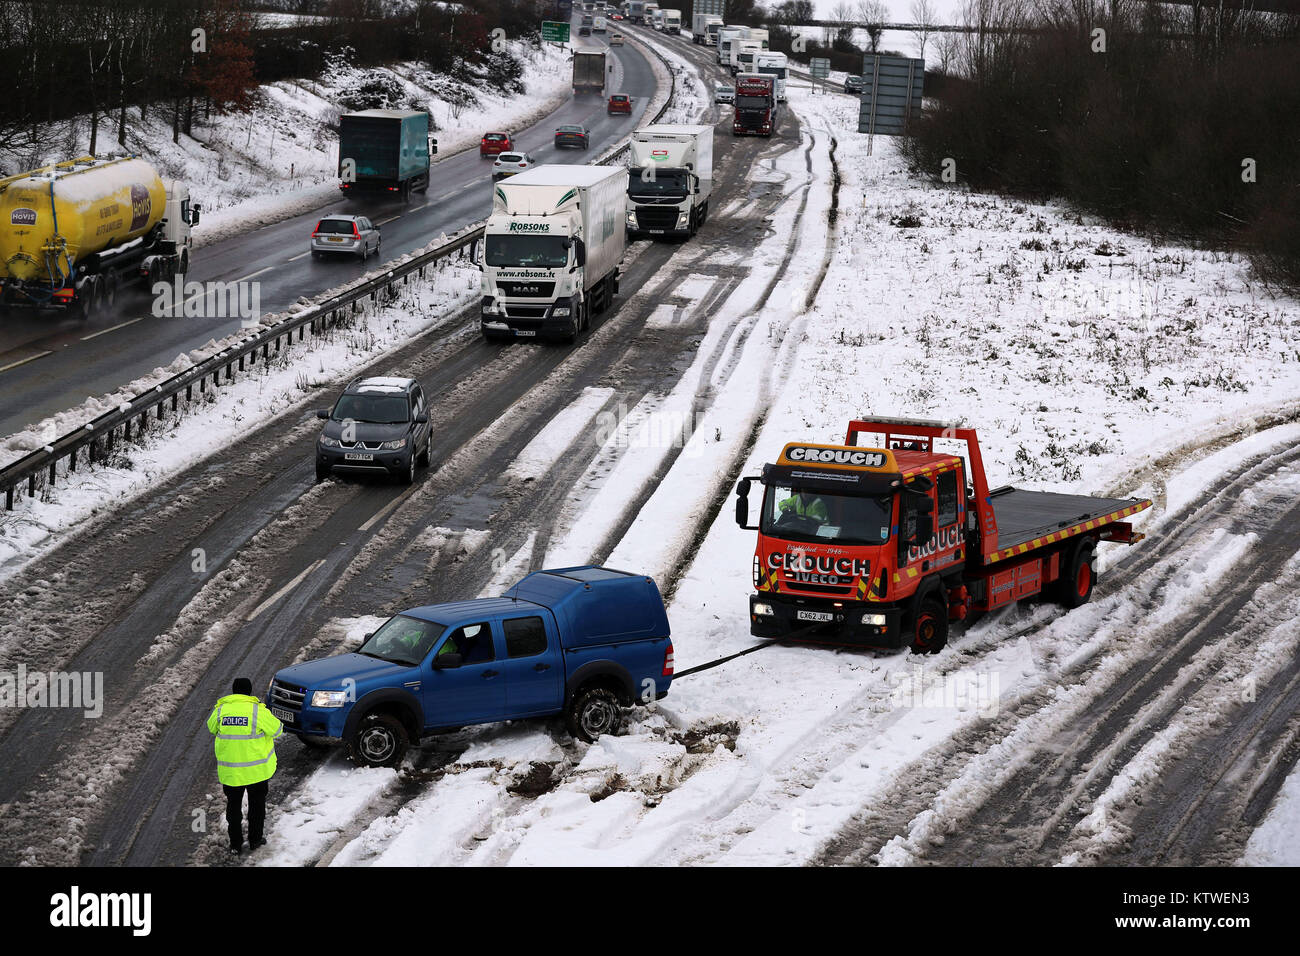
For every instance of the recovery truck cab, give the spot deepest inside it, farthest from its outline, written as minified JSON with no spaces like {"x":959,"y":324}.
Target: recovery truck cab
{"x":584,"y":642}
{"x":883,"y":545}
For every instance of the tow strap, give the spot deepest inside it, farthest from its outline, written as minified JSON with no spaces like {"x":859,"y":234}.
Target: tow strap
{"x":749,"y":650}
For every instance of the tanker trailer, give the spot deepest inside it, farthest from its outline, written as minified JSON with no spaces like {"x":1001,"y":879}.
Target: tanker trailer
{"x":75,"y":234}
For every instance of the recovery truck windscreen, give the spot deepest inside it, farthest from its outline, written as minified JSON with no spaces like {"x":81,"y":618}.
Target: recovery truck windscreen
{"x":884,"y":545}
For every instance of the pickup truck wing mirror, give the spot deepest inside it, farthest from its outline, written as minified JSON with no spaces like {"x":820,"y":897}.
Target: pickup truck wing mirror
{"x":446,"y":662}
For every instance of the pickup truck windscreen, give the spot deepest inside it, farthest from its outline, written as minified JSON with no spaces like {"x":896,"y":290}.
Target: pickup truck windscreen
{"x":403,"y":640}
{"x":526,"y":252}
{"x":822,"y":517}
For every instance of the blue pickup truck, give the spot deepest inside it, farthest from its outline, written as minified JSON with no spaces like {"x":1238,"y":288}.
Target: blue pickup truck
{"x":586,"y":642}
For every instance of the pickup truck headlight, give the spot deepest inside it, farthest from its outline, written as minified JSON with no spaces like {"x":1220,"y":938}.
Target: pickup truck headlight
{"x":326,"y":442}
{"x":560,"y":310}
{"x":764,"y":609}
{"x":877,"y":620}
{"x":329,"y":698}
{"x":393,"y":445}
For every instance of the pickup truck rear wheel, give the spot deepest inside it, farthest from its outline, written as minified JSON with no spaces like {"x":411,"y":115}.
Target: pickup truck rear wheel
{"x":930,"y":629}
{"x":592,"y":712}
{"x":380,"y":741}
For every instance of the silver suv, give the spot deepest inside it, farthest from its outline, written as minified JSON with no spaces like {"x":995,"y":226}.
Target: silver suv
{"x":347,"y":235}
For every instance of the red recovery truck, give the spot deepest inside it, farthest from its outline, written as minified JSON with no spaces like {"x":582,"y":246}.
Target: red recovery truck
{"x":883,"y":546}
{"x":754,"y":107}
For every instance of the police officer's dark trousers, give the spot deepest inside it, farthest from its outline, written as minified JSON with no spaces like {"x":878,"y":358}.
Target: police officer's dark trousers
{"x":256,"y":812}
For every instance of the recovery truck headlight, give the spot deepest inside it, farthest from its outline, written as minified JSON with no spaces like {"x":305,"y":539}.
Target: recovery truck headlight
{"x":329,"y":698}
{"x":560,"y":310}
{"x":876,"y":620}
{"x":764,"y":609}
{"x":682,"y":219}
{"x":631,"y":218}
{"x":393,"y":445}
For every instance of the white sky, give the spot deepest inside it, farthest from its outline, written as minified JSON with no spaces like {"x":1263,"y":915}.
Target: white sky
{"x":948,"y":11}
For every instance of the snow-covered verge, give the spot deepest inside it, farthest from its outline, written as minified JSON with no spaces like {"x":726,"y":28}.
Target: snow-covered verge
{"x":1080,"y":352}
{"x":280,"y":160}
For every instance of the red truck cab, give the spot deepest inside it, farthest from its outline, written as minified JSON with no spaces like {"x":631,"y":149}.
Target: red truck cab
{"x":884,"y":545}
{"x":754,"y":108}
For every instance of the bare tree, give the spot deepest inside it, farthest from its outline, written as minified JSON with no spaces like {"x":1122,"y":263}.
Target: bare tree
{"x":923,"y":15}
{"x":874,"y":15}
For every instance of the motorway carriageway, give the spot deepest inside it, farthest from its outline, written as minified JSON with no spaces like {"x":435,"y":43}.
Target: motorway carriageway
{"x":50,"y":363}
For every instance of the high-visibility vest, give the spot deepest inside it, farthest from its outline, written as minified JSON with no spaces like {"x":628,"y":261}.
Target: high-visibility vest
{"x":245,"y":740}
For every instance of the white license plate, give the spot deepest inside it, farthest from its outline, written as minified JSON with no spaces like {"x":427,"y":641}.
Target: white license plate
{"x":287,"y":716}
{"x":814,"y":615}
{"x":655,"y":232}
{"x":525,"y":332}
{"x":352,"y":456}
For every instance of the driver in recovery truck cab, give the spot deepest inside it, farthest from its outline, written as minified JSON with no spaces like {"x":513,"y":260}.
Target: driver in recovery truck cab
{"x":804,"y":504}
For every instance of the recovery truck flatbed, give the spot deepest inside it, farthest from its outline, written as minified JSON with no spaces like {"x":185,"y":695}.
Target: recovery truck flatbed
{"x":883,"y":546}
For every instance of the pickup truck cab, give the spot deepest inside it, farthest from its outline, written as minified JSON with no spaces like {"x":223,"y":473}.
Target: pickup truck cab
{"x":584,"y":642}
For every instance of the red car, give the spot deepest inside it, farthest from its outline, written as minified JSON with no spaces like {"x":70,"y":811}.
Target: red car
{"x":493,"y":144}
{"x":620,"y":103}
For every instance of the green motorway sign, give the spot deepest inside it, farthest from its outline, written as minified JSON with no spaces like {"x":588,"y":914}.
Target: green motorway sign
{"x":555,"y":32}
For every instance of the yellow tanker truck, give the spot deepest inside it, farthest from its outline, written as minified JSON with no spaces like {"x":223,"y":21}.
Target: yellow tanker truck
{"x":75,"y":234}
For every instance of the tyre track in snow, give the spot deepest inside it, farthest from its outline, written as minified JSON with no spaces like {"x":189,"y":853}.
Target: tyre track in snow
{"x":1042,"y":764}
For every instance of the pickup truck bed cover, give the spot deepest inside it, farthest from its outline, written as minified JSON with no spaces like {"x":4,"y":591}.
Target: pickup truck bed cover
{"x":1031,"y":519}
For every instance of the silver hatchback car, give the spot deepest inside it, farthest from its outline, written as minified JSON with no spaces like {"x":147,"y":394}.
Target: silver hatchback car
{"x":508,"y":164}
{"x":345,"y":235}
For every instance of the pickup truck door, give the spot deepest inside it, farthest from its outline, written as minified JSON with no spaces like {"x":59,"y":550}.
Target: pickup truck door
{"x":534,"y":665}
{"x":474,"y":692}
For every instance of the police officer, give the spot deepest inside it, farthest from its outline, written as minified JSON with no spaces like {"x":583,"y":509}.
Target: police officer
{"x":245,"y":732}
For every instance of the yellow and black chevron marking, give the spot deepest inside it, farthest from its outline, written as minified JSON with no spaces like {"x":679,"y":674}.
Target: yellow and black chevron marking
{"x":1071,"y":531}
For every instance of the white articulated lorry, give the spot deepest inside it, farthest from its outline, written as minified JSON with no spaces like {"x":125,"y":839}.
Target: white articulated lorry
{"x":669,"y":180}
{"x":551,"y":250}
{"x":773,"y":64}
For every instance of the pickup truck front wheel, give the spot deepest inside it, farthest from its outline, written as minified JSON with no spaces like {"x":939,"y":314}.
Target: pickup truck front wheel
{"x":594,"y":711}
{"x":380,"y":741}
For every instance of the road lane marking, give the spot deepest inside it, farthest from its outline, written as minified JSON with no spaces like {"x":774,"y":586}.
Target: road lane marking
{"x":257,"y":273}
{"x":384,"y":222}
{"x":30,"y":358}
{"x":299,"y":256}
{"x":114,"y":328}
{"x":285,"y":590}
{"x":387,"y":509}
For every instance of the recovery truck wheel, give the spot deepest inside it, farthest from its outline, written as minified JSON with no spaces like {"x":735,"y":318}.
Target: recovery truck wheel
{"x":592,"y":712}
{"x":930,"y":629}
{"x":1075,"y":585}
{"x":380,"y":741}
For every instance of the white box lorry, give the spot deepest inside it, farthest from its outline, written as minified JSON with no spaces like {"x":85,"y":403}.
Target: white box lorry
{"x":669,"y":180}
{"x":672,"y":22}
{"x":726,"y":37}
{"x":551,"y":250}
{"x":704,"y":28}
